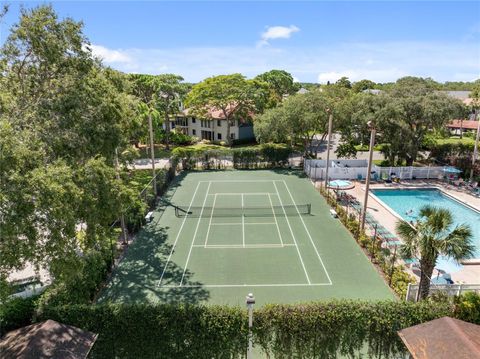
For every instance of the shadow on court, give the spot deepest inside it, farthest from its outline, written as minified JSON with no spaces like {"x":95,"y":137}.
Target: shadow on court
{"x":137,"y":276}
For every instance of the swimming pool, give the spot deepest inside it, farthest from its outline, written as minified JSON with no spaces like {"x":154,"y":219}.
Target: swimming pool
{"x":407,"y":203}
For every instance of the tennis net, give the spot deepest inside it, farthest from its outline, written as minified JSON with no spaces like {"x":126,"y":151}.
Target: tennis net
{"x":269,"y":211}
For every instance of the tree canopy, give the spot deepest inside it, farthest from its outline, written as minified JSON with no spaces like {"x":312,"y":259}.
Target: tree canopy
{"x":62,"y":116}
{"x":280,"y":83}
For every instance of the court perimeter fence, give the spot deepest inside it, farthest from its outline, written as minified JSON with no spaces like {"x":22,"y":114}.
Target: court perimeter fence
{"x":357,"y":170}
{"x":449,"y":290}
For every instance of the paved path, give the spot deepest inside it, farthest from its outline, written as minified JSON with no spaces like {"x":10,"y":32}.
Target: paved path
{"x":321,"y":147}
{"x":146,"y":163}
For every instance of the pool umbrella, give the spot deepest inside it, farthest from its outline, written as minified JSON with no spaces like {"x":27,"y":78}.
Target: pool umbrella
{"x":451,"y":170}
{"x":341,"y":184}
{"x":442,"y":338}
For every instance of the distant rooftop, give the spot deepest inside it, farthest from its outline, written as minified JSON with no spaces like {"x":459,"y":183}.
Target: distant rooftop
{"x":372,"y":91}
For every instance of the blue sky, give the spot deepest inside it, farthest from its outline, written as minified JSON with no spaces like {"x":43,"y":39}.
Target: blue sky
{"x":316,"y":41}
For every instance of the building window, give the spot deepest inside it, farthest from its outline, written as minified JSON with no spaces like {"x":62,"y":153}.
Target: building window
{"x":219,"y":123}
{"x":232,"y":136}
{"x":206,"y":123}
{"x":194,"y":132}
{"x":193,"y":120}
{"x":219,"y":136}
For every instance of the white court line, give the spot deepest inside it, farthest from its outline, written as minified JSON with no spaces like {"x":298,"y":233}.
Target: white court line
{"x":253,"y":223}
{"x":195,"y":234}
{"x":211,"y":216}
{"x":234,"y":246}
{"x":291,"y":231}
{"x":226,"y":224}
{"x":246,"y":285}
{"x":274,"y":216}
{"x":239,"y":193}
{"x":309,"y":236}
{"x":238,"y":181}
{"x":178,"y":236}
{"x":243,"y":224}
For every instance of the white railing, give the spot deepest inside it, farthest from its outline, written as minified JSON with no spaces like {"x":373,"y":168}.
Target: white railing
{"x":448,"y":289}
{"x":357,"y":170}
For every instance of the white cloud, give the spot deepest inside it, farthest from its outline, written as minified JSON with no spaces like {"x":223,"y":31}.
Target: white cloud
{"x":381,"y":62}
{"x":277,"y":32}
{"x":110,"y":56}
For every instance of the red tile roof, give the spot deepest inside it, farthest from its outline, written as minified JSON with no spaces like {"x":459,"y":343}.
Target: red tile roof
{"x":468,"y":125}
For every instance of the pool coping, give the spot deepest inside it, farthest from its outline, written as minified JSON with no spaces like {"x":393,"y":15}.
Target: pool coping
{"x":473,"y":261}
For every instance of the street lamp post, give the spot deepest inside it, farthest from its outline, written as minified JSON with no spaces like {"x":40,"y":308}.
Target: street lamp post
{"x":122,"y":216}
{"x":475,"y":149}
{"x":330,"y":122}
{"x":367,"y":182}
{"x":152,"y":154}
{"x":250,"y":301}
{"x":167,"y":97}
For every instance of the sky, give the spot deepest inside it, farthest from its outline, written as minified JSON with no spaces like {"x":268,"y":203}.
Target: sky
{"x":316,"y":41}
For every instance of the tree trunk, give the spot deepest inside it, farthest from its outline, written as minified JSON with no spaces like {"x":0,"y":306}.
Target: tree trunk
{"x":167,"y":131}
{"x":426,"y":268}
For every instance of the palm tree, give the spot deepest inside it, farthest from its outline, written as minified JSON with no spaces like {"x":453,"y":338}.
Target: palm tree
{"x":432,"y":236}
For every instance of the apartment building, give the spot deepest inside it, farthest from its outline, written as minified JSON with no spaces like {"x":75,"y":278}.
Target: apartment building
{"x":214,"y":128}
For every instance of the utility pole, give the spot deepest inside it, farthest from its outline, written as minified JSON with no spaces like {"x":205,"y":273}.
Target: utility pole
{"x":122,"y":216}
{"x":329,"y":141}
{"x":475,"y":149}
{"x":367,"y":182}
{"x":152,"y":153}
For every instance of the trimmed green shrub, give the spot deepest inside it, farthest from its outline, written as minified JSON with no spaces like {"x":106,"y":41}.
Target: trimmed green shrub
{"x":467,"y":307}
{"x":313,"y":330}
{"x":16,"y":313}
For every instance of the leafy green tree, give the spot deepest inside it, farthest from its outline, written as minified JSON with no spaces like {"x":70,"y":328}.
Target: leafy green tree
{"x":298,"y":119}
{"x":233,"y":95}
{"x":280,"y":83}
{"x":363,"y":85}
{"x":161,"y":96}
{"x":344,"y":82}
{"x":62,"y":117}
{"x":431,"y":237}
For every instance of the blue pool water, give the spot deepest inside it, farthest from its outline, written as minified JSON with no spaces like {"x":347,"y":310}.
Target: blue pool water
{"x":407,"y":203}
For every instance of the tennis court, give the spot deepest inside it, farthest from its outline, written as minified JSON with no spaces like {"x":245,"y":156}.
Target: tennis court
{"x":224,"y":234}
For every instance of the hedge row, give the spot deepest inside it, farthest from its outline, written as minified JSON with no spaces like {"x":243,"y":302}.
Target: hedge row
{"x":315,"y":330}
{"x":267,"y":155}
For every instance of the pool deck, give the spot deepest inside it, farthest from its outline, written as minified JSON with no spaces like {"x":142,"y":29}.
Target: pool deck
{"x":469,"y":273}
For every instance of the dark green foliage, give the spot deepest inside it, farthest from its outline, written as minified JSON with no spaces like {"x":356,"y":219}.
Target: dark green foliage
{"x":326,"y":329}
{"x":264,"y":156}
{"x":159,"y":331}
{"x":467,"y":307}
{"x":80,"y":287}
{"x":16,"y":313}
{"x":314,"y":330}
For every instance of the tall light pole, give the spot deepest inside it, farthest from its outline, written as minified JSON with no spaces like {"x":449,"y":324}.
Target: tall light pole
{"x":152,"y":153}
{"x":373,"y":132}
{"x":475,"y":149}
{"x":329,"y":141}
{"x":167,"y":97}
{"x":250,"y":301}
{"x":122,"y":216}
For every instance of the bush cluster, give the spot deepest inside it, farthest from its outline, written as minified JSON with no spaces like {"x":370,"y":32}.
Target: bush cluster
{"x":263,"y":156}
{"x":314,"y":330}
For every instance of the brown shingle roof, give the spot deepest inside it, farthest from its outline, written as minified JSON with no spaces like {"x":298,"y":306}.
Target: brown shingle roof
{"x":468,"y":125}
{"x":443,"y":338}
{"x":48,"y":339}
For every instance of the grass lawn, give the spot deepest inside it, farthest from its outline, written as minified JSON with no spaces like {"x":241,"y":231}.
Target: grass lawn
{"x":160,"y":152}
{"x":455,"y":140}
{"x":221,"y":235}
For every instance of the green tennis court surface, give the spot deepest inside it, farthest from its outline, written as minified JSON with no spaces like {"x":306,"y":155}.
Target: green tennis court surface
{"x":224,"y":234}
